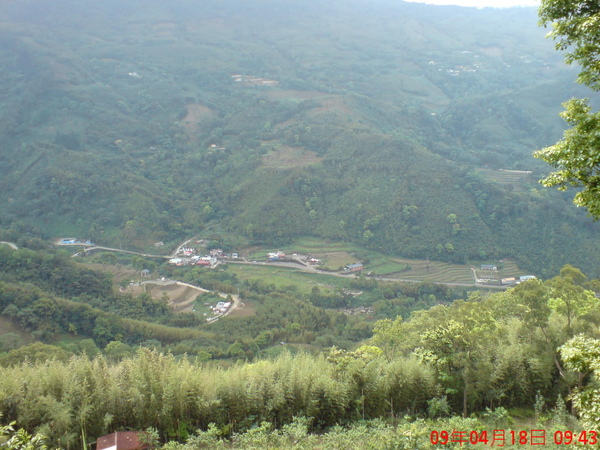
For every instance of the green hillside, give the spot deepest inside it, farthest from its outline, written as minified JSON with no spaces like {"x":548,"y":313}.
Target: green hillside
{"x":378,"y":123}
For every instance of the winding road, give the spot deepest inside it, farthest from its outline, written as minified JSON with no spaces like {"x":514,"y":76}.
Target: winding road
{"x":235,"y":298}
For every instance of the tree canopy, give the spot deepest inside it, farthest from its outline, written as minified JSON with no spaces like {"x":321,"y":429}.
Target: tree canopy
{"x":577,"y":160}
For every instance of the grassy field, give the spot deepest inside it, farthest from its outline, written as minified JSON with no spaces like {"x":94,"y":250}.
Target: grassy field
{"x":201,"y":309}
{"x":8,"y":326}
{"x":302,"y":282}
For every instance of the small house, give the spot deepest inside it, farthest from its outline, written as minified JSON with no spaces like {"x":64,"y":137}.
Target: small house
{"x":122,"y":440}
{"x":356,"y":267}
{"x":526,"y":278}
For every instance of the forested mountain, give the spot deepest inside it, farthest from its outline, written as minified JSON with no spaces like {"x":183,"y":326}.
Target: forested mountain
{"x":379,"y":122}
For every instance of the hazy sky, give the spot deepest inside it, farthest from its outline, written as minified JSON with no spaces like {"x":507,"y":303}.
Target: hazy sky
{"x":481,"y":3}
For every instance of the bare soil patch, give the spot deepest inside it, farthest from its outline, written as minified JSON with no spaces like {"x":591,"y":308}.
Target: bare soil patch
{"x":197,"y":115}
{"x":328,"y":102}
{"x":180,"y":298}
{"x":335,"y":259}
{"x":247,"y":308}
{"x":7,"y":326}
{"x":287,"y":157}
{"x":333,"y":104}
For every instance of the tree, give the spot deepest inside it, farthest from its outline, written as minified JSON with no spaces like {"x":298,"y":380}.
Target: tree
{"x":575,"y":27}
{"x":34,"y":353}
{"x":457,"y":341}
{"x":576,"y":156}
{"x":569,"y":298}
{"x":21,"y":439}
{"x":582,"y":354}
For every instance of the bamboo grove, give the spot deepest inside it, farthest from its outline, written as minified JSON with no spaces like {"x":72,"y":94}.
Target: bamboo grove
{"x":477,"y":356}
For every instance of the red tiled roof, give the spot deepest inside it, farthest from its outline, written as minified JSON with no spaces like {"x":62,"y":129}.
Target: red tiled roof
{"x":121,"y":440}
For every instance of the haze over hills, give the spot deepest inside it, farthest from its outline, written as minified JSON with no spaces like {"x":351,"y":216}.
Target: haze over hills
{"x":384,"y":123}
{"x":357,"y":170}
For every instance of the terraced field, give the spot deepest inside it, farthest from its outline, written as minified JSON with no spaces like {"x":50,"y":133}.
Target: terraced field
{"x":180,"y":298}
{"x":435,"y":271}
{"x":339,"y":254}
{"x":516,"y":178}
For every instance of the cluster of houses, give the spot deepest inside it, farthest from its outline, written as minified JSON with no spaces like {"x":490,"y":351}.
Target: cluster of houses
{"x":275,"y":256}
{"x":359,"y":310}
{"x":516,"y":280}
{"x":280,"y":256}
{"x":489,"y":274}
{"x":206,"y":261}
{"x":187,"y":257}
{"x":221,"y":307}
{"x":457,"y":70}
{"x":249,"y":80}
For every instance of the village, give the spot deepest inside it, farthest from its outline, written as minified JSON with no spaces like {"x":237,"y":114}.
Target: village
{"x":197,"y":253}
{"x":187,"y":257}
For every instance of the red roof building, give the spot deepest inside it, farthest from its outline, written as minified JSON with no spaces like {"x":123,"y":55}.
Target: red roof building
{"x":121,"y":440}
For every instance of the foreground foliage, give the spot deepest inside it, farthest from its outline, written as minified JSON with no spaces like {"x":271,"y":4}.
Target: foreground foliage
{"x":151,"y":389}
{"x":575,"y":26}
{"x":471,"y":357}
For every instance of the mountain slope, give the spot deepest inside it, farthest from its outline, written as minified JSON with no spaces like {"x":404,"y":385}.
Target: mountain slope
{"x":351,"y":120}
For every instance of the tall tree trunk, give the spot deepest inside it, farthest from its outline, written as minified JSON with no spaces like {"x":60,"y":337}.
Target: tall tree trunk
{"x":465,"y":395}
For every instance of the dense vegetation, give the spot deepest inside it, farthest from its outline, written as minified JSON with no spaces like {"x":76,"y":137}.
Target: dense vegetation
{"x":382,"y":124}
{"x":484,"y":356}
{"x":387,"y":127}
{"x":44,"y":292}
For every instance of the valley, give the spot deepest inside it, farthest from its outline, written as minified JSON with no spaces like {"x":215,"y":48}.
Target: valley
{"x":297,"y":224}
